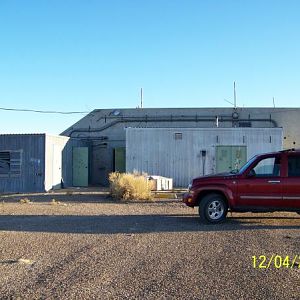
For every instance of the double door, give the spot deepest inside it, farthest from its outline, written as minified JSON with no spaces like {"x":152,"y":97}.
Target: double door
{"x":229,"y":158}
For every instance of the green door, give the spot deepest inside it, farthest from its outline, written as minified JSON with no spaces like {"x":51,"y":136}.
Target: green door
{"x":120,"y":159}
{"x":230,"y":158}
{"x":238,"y":156}
{"x":80,"y":166}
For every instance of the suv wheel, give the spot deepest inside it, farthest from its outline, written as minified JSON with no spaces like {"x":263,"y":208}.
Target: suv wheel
{"x":213,"y":208}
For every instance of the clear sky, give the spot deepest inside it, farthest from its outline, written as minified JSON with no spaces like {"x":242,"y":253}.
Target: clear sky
{"x":72,"y":55}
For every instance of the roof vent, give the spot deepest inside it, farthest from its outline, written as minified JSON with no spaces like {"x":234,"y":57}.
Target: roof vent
{"x":115,"y":113}
{"x":178,"y":136}
{"x":245,"y":124}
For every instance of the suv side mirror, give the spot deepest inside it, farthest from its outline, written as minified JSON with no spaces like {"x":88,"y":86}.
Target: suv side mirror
{"x":251,"y":173}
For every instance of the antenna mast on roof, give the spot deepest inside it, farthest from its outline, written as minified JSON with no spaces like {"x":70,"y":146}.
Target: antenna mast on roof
{"x":234,"y":95}
{"x":141,"y":97}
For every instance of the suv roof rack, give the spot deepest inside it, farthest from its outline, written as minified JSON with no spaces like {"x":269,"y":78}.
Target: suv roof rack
{"x":291,"y":149}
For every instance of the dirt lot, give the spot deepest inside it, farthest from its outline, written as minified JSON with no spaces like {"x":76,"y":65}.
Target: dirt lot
{"x":89,"y":247}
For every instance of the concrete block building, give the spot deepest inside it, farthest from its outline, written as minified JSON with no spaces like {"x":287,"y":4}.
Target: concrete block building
{"x":108,"y":151}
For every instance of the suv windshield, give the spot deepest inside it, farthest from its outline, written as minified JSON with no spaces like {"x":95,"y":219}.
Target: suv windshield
{"x":247,"y":164}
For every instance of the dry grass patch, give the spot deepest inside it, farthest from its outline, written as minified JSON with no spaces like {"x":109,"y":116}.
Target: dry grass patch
{"x":24,"y":200}
{"x":130,"y":186}
{"x":56,"y":202}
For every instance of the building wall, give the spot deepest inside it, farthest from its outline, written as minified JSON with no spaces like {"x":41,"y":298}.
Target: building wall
{"x":32,"y":176}
{"x":156,"y":151}
{"x":55,"y":146}
{"x":106,"y":128}
{"x":59,"y":160}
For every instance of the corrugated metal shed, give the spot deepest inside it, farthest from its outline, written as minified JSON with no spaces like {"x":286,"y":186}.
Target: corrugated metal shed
{"x":176,"y":153}
{"x":35,"y":162}
{"x":31,"y":149}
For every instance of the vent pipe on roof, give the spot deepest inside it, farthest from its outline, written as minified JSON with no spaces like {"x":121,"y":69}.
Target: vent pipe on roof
{"x":234,"y":95}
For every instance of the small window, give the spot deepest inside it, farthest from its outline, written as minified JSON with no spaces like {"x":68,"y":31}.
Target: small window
{"x":294,"y":166}
{"x":10,"y":163}
{"x":178,"y":136}
{"x":4,"y":162}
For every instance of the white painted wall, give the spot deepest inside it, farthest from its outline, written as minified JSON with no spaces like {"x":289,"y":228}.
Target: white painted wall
{"x":54,"y":147}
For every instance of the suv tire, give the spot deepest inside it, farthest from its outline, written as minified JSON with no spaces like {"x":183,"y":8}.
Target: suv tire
{"x":213,"y":208}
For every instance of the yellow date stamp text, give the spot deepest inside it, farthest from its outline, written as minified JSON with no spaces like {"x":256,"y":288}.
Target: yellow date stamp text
{"x":276,"y":261}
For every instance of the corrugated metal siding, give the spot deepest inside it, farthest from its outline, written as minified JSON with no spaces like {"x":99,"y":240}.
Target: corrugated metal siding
{"x":46,"y":159}
{"x":157,"y":152}
{"x":32,"y":149}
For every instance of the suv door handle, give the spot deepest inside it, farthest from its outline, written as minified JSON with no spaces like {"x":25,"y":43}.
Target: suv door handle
{"x":274,"y":181}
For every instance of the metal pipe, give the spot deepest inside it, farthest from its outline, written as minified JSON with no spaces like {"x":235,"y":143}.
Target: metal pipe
{"x":126,"y":119}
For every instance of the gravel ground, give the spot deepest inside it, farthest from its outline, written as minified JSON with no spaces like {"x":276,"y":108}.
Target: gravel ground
{"x":88,"y":247}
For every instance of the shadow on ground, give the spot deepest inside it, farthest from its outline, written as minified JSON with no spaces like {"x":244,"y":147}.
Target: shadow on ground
{"x":77,"y":198}
{"x":128,"y":224}
{"x":42,"y":198}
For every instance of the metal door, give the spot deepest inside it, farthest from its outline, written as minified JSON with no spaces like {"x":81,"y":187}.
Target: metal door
{"x":230,"y":158}
{"x":120,"y":160}
{"x":80,"y":166}
{"x":56,"y":167}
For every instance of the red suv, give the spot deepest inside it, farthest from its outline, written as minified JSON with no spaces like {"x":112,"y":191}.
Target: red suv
{"x":266,"y":183}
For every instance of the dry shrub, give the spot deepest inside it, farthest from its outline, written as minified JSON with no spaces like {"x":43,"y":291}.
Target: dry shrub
{"x":54,"y":202}
{"x":130,"y":186}
{"x":24,"y":200}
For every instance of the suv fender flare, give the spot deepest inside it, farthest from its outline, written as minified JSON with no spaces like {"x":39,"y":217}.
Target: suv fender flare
{"x":224,"y":190}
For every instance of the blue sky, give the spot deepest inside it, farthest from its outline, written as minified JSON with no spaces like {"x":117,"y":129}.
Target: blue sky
{"x":81,"y":55}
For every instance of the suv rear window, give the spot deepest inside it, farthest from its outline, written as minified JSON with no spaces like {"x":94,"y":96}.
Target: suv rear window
{"x":294,"y":166}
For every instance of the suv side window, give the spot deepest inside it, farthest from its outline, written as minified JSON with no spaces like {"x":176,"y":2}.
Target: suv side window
{"x":267,"y":167}
{"x":294,"y":166}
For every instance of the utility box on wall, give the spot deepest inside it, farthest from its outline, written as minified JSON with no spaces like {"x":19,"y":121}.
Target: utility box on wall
{"x":185,"y":153}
